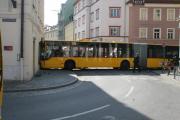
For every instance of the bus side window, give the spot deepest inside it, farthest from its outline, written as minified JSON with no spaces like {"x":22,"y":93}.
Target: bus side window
{"x":74,"y":51}
{"x":48,"y":53}
{"x":82,"y":51}
{"x":122,"y":50}
{"x":95,"y":51}
{"x":58,"y":52}
{"x":110,"y":50}
{"x":90,"y":51}
{"x":155,"y":52}
{"x":66,"y":51}
{"x":171,"y":51}
{"x":113,"y":50}
{"x":105,"y":50}
{"x":150,"y":53}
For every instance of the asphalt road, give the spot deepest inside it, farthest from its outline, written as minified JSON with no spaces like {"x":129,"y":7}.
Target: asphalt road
{"x":100,"y":95}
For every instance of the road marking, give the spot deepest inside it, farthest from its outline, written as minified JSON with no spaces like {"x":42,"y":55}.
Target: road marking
{"x":108,"y":118}
{"x":83,"y":113}
{"x":129,"y":92}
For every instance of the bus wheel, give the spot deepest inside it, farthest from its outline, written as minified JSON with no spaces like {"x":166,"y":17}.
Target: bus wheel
{"x":125,"y":65}
{"x":69,"y":65}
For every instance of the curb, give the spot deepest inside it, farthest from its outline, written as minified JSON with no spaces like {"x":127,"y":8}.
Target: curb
{"x":43,"y":88}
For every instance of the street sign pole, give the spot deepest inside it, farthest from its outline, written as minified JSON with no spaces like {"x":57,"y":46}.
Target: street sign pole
{"x":178,"y":19}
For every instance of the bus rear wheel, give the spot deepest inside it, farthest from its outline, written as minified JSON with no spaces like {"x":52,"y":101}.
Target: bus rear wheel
{"x":125,"y":65}
{"x":69,"y":65}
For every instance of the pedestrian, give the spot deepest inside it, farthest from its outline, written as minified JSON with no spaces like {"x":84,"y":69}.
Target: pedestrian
{"x":169,"y":66}
{"x":136,"y":63}
{"x":163,"y":66}
{"x":175,"y":65}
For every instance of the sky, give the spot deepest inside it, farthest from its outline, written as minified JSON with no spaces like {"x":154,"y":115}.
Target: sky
{"x":51,"y":9}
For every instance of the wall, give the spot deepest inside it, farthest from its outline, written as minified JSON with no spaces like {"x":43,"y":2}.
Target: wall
{"x":69,"y":32}
{"x":14,"y":67}
{"x":135,"y":24}
{"x":104,"y":20}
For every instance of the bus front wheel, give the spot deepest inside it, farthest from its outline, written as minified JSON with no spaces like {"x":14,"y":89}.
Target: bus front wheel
{"x":69,"y":65}
{"x":125,"y":65}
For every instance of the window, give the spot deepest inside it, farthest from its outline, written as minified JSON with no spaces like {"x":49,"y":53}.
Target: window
{"x":75,"y":9}
{"x":97,"y":14}
{"x":83,"y":34}
{"x":83,"y":19}
{"x":79,"y":35}
{"x":104,"y":50}
{"x":170,"y":33}
{"x":143,"y":14}
{"x":114,"y":31}
{"x":157,"y":14}
{"x":92,"y":17}
{"x":155,"y":51}
{"x":157,"y":33}
{"x":122,"y":50}
{"x":143,"y":32}
{"x":90,"y":2}
{"x":75,"y":36}
{"x":75,"y":23}
{"x":171,"y":14}
{"x":83,"y":3}
{"x":91,"y":32}
{"x":79,"y":5}
{"x":97,"y":31}
{"x":171,"y":51}
{"x":79,"y":21}
{"x":115,"y":12}
{"x":12,"y":4}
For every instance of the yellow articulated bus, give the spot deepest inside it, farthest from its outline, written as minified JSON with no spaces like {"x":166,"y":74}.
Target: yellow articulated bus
{"x":84,"y":54}
{"x":1,"y":77}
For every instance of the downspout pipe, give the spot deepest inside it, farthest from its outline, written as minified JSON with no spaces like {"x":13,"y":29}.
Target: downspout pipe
{"x":22,"y":30}
{"x":22,"y":42}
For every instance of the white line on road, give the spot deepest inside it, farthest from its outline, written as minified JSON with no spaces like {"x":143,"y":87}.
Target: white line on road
{"x":129,"y":92}
{"x":83,"y":113}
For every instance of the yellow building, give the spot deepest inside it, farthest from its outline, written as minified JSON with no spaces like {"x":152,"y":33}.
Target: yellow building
{"x":69,"y":32}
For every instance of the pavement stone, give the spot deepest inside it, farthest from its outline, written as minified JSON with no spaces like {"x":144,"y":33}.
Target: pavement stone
{"x":44,"y":80}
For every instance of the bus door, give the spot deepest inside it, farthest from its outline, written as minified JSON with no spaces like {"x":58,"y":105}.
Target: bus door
{"x":141,"y":50}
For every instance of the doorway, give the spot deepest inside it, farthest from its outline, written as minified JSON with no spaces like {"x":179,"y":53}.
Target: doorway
{"x":141,"y":49}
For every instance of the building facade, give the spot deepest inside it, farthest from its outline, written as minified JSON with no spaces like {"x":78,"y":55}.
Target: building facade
{"x":51,"y":33}
{"x":65,"y":17}
{"x":22,"y":28}
{"x":154,"y":22}
{"x":69,"y":32}
{"x":101,"y":20}
{"x":61,"y":23}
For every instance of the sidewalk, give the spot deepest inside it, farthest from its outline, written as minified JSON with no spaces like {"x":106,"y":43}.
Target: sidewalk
{"x":45,"y":80}
{"x":166,"y":77}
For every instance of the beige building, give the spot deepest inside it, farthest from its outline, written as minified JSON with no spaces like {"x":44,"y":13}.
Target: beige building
{"x":51,"y":33}
{"x":22,"y":28}
{"x":69,"y":32}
